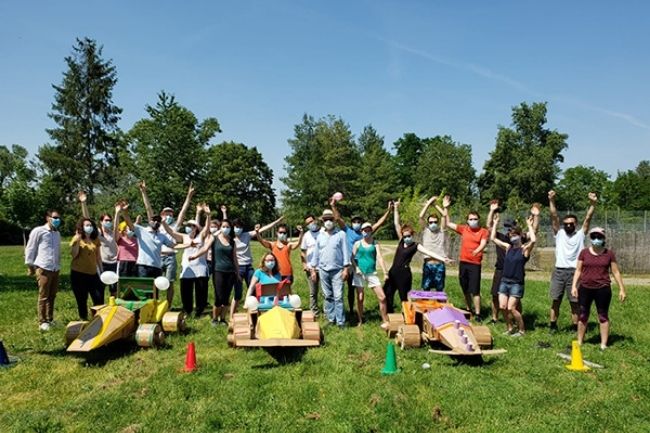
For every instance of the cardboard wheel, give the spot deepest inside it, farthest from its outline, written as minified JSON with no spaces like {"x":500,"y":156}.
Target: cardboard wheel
{"x":408,"y":336}
{"x":173,"y":321}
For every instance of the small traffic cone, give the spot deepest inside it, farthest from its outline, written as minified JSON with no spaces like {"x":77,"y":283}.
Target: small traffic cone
{"x":577,"y":363}
{"x":390,"y":366}
{"x":4,"y":358}
{"x":190,"y":358}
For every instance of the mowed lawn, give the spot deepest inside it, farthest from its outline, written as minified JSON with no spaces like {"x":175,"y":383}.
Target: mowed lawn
{"x":334,"y":388}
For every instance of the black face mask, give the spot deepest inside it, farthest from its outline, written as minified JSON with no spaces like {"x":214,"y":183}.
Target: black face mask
{"x":569,"y":228}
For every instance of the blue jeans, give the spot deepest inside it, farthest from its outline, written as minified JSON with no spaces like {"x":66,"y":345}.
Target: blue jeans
{"x":331,"y":284}
{"x":246,"y":273}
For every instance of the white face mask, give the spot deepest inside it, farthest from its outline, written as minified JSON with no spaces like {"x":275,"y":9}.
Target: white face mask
{"x":356,"y":227}
{"x":88,"y":229}
{"x":472,"y":223}
{"x":329,"y":224}
{"x":282,"y":237}
{"x":313,"y":227}
{"x":188,"y":229}
{"x":214,"y":230}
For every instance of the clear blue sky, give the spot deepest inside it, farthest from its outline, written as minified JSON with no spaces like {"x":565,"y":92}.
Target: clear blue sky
{"x":429,"y":67}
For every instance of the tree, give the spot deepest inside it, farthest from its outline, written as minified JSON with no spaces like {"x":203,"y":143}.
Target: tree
{"x":86,"y":145}
{"x":631,"y":189}
{"x":238,"y":176}
{"x":169,"y":149}
{"x":579,"y":181}
{"x":324,"y":160}
{"x":525,"y":161}
{"x":18,"y":199}
{"x":408,"y":150}
{"x":445,"y":164}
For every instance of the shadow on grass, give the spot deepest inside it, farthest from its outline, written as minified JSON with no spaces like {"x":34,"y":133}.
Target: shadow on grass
{"x":283,"y":356}
{"x":611,"y":341}
{"x":15,"y":283}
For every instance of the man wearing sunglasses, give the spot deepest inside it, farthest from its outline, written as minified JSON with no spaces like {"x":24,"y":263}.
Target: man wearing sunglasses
{"x":568,"y":243}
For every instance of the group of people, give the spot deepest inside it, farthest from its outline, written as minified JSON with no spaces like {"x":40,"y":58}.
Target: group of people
{"x":333,"y":254}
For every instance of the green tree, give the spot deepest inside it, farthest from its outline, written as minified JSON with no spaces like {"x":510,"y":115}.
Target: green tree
{"x":238,"y":176}
{"x":86,"y":146}
{"x":323,"y":160}
{"x":170,"y":150}
{"x":18,"y":199}
{"x":525,"y":161}
{"x":408,"y":150}
{"x":445,"y":164}
{"x":577,"y":182}
{"x":631,"y":189}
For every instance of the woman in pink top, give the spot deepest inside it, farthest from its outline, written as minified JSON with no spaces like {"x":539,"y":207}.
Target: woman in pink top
{"x":127,"y":246}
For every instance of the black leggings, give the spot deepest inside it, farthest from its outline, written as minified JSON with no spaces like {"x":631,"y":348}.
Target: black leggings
{"x":602,"y":297}
{"x":399,"y":280}
{"x":223,"y":283}
{"x":84,"y":285}
{"x":188,"y":287}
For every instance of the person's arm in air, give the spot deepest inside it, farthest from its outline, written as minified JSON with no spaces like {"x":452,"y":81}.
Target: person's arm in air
{"x":145,"y":199}
{"x":535,"y":210}
{"x":555,"y":220}
{"x":494,"y":206}
{"x":186,"y":206}
{"x":269,"y":226}
{"x":84,"y":206}
{"x":337,"y":214}
{"x":116,"y":220}
{"x":206,"y":228}
{"x":493,"y":234}
{"x":396,"y":221}
{"x":593,"y":199}
{"x":532,"y":236}
{"x":380,"y":222}
{"x":423,"y":212}
{"x":446,"y":202}
{"x":266,"y":244}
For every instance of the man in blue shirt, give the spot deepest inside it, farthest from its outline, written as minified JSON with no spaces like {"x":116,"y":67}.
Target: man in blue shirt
{"x":331,"y":262}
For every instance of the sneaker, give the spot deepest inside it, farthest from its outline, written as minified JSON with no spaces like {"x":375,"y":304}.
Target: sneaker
{"x":509,"y":332}
{"x":384,"y":326}
{"x":44,"y":327}
{"x":214,"y":323}
{"x":603,"y":347}
{"x":478,"y":318}
{"x":517,"y":334}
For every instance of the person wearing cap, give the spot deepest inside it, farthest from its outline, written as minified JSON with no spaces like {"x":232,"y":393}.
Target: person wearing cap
{"x":353,"y":234}
{"x":366,"y":254}
{"x":473,"y":240}
{"x":568,"y":244}
{"x":282,"y":248}
{"x":434,"y":239}
{"x":400,"y":277}
{"x":331,"y":262}
{"x":511,"y":286}
{"x":107,"y":238}
{"x":127,"y":245}
{"x":307,"y":248}
{"x":43,"y":260}
{"x":509,"y":224}
{"x":194,"y":273}
{"x":592,"y":283}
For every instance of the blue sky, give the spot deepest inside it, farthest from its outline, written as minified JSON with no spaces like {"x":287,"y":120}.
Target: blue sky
{"x":429,"y":67}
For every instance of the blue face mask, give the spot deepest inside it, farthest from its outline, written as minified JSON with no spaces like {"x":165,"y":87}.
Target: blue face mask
{"x":313,"y":227}
{"x":408,"y":240}
{"x":169,"y":219}
{"x":188,"y":229}
{"x":107,"y":225}
{"x":598,"y":242}
{"x":56,"y":222}
{"x":225,"y":230}
{"x":129,"y":233}
{"x":433,"y":227}
{"x":282,"y":237}
{"x":238,"y":231}
{"x":472,"y":223}
{"x":269,"y":264}
{"x":366,"y":234}
{"x":514,"y":240}
{"x":88,"y":229}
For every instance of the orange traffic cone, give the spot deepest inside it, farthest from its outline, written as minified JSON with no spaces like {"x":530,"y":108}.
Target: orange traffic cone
{"x":190,"y":358}
{"x":577,"y":363}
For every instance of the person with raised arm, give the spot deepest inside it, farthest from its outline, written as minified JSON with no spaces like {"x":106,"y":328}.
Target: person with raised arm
{"x":400,"y":278}
{"x":353,"y":234}
{"x":282,"y":248}
{"x":86,"y":265}
{"x":511,"y":287}
{"x":568,"y":244}
{"x":473,"y":240}
{"x":592,"y":283}
{"x":434,"y":238}
{"x":127,"y":244}
{"x":43,"y":261}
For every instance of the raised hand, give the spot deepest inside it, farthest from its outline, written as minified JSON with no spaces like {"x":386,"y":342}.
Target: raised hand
{"x":530,"y":220}
{"x":206,"y":208}
{"x":593,"y":198}
{"x":390,"y":204}
{"x":496,"y":218}
{"x":142,"y":185}
{"x":433,"y":198}
{"x":81,"y":195}
{"x":223,"y":208}
{"x":494,"y":205}
{"x":299,"y":228}
{"x":258,"y":227}
{"x":535,"y":209}
{"x":191,"y":190}
{"x":396,"y":204}
{"x":551,"y":195}
{"x":446,"y":201}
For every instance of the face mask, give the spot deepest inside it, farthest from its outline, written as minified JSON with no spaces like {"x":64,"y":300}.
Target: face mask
{"x":188,"y":229}
{"x":169,"y":219}
{"x":408,"y":240}
{"x":107,"y":225}
{"x":282,"y":237}
{"x":238,"y":230}
{"x":225,"y":230}
{"x":598,"y":242}
{"x":472,"y":223}
{"x":214,"y":230}
{"x":433,"y":227}
{"x":515,"y":240}
{"x":569,"y":228}
{"x":329,"y":224}
{"x":356,"y":227}
{"x":366,"y":234}
{"x":313,"y":227}
{"x":56,"y":222}
{"x":269,"y":264}
{"x":88,"y":229}
{"x":129,"y":234}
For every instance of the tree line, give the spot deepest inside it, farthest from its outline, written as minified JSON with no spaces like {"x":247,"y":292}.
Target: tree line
{"x":170,"y":148}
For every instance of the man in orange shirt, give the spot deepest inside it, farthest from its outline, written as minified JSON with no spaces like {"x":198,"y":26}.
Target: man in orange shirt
{"x":473,"y":239}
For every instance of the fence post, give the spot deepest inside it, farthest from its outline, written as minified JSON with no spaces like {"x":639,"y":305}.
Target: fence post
{"x":645,"y":221}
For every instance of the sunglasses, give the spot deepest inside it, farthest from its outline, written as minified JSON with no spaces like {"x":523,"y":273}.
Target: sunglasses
{"x":472,"y":219}
{"x":282,"y":233}
{"x":597,"y":236}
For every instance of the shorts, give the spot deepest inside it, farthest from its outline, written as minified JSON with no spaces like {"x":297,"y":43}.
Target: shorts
{"x":496,"y":281}
{"x":145,"y":271}
{"x":469,"y":275}
{"x":511,"y":289}
{"x":169,"y":266}
{"x":561,"y":282}
{"x":372,"y":280}
{"x":433,"y":276}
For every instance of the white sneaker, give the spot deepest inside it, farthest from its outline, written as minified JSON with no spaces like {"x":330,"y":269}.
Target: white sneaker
{"x":44,"y":326}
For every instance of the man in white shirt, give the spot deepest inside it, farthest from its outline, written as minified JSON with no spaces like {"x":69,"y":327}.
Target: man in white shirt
{"x":307,"y":249}
{"x":43,"y":259}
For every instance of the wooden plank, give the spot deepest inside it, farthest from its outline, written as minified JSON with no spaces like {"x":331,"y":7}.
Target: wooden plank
{"x":277,"y":342}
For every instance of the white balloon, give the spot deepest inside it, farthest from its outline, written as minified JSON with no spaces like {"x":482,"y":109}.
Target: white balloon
{"x":251,"y":303}
{"x":109,"y":277}
{"x":162,"y":283}
{"x":295,"y":301}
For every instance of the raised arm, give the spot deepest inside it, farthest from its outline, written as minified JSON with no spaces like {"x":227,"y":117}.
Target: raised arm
{"x":116,"y":220}
{"x":446,"y":202}
{"x":593,"y":199}
{"x":555,"y":220}
{"x":423,"y":212}
{"x":199,"y":210}
{"x":206,"y":228}
{"x":380,"y":222}
{"x":174,"y":234}
{"x":494,"y":207}
{"x":266,"y":244}
{"x":84,"y":207}
{"x":443,"y":216}
{"x":337,"y":214}
{"x":535,"y":210}
{"x":186,"y":206}
{"x":224,"y":212}
{"x":396,"y":221}
{"x":145,"y":199}
{"x":271,"y":225}
{"x":297,"y":243}
{"x":127,"y":218}
{"x":532,"y":236}
{"x":493,"y":233}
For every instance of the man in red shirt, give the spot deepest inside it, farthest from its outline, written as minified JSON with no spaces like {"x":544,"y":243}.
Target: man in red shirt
{"x":473,"y":240}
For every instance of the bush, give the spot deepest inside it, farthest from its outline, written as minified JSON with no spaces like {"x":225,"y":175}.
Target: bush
{"x":10,"y":233}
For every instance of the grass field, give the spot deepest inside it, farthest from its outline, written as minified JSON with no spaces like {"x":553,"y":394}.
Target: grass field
{"x":334,"y":388}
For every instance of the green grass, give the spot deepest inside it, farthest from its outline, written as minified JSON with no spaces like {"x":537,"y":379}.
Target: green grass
{"x":334,"y":388}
